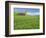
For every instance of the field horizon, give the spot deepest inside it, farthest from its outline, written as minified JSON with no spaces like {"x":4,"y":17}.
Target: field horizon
{"x":26,"y":18}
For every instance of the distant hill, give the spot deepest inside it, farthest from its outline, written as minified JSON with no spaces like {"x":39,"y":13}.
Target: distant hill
{"x":28,"y":13}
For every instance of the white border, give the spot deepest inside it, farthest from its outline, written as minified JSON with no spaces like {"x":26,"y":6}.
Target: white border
{"x":12,"y":31}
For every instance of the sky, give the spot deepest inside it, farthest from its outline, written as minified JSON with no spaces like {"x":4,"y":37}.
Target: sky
{"x":30,"y":10}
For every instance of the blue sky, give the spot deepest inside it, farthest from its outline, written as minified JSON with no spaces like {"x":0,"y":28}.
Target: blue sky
{"x":31,"y":10}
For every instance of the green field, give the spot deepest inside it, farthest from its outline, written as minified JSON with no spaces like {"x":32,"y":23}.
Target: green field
{"x":26,"y":22}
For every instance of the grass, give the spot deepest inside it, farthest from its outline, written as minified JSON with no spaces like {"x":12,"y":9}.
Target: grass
{"x":26,"y":22}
